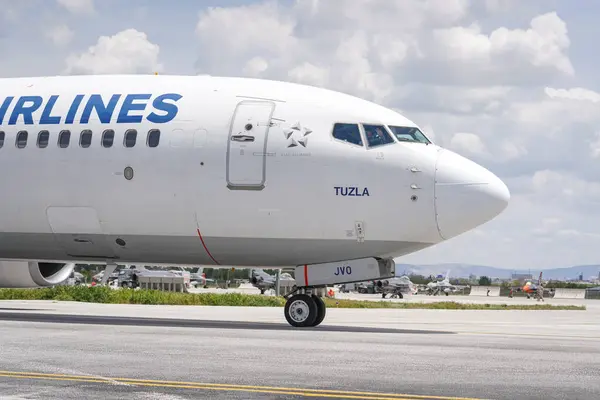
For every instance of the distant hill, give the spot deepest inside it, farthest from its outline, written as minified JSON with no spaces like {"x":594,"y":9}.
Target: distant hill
{"x":464,"y":270}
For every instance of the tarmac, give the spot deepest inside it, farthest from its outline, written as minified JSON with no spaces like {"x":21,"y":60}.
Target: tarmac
{"x":67,"y":350}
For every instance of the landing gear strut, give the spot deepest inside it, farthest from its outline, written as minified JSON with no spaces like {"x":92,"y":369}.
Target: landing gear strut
{"x":304,"y":310}
{"x":305,"y":307}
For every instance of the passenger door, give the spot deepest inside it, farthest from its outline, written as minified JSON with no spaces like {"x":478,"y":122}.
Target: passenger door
{"x":247,"y":145}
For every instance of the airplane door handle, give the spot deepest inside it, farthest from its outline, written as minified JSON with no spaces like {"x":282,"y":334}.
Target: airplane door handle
{"x":242,"y":138}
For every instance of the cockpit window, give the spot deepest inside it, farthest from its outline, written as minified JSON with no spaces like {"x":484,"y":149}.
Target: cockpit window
{"x":409,"y":134}
{"x":347,"y":133}
{"x":377,"y":135}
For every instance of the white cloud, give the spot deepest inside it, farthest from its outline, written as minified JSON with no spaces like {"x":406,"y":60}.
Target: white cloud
{"x":128,"y":51}
{"x":256,"y":66}
{"x":512,"y":150}
{"x":78,"y":6}
{"x":60,"y":35}
{"x":468,"y":143}
{"x":253,"y":31}
{"x":363,"y":50}
{"x":505,"y":51}
{"x":478,"y":100}
{"x":309,"y":74}
{"x":566,"y":189}
{"x":350,"y":46}
{"x":573,"y":94}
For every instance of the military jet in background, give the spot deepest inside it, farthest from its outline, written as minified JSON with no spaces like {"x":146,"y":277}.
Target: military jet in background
{"x":199,"y":278}
{"x":263,"y":281}
{"x":396,"y":287}
{"x":535,"y":290}
{"x":442,"y":286}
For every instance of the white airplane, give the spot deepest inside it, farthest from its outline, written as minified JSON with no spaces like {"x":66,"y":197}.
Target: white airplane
{"x":442,"y":286}
{"x":200,"y":170}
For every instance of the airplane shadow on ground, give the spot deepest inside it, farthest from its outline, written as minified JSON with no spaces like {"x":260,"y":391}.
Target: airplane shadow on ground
{"x":192,"y":323}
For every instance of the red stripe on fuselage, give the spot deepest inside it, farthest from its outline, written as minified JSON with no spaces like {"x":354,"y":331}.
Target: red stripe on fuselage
{"x":206,"y":248}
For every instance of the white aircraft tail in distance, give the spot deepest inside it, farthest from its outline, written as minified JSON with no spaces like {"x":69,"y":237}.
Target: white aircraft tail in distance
{"x":200,"y":170}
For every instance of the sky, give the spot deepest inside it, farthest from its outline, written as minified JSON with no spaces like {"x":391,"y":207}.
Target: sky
{"x":510,"y":84}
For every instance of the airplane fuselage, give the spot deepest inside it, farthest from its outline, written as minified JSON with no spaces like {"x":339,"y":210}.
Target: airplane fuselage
{"x":221,"y":171}
{"x":206,"y":194}
{"x":225,"y":172}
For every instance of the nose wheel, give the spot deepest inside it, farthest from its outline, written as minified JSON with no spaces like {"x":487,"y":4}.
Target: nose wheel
{"x":303,"y":310}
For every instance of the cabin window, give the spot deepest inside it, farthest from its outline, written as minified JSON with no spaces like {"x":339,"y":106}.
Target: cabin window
{"x":2,"y":139}
{"x":347,"y":133}
{"x":43,"y":138}
{"x":377,"y":135}
{"x":130,"y":138}
{"x":153,"y":138}
{"x":22,"y":139}
{"x":64,"y":138}
{"x":409,"y":134}
{"x":108,"y":136}
{"x":85,"y":140}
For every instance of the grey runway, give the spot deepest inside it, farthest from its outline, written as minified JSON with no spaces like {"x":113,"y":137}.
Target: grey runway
{"x":188,"y":323}
{"x":482,"y":355}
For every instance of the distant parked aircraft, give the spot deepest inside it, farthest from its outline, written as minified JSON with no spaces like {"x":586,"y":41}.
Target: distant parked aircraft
{"x":263,"y":281}
{"x":397,"y":286}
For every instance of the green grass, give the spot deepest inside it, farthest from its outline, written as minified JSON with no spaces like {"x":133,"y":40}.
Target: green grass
{"x":109,"y":296}
{"x":445,"y":305}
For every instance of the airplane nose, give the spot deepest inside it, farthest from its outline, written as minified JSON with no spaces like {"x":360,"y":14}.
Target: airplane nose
{"x":466,"y":194}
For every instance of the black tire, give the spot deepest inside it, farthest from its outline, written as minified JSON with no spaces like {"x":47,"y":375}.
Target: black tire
{"x":301,"y":311}
{"x":321,"y":310}
{"x":400,"y":295}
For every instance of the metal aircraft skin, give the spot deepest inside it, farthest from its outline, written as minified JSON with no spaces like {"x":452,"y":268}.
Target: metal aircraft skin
{"x":222,"y":172}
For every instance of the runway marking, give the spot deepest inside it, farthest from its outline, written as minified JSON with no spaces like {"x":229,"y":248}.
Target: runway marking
{"x":338,"y":394}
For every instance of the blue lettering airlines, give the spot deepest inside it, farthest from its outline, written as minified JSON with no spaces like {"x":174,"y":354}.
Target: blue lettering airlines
{"x":133,"y":109}
{"x":351,"y":191}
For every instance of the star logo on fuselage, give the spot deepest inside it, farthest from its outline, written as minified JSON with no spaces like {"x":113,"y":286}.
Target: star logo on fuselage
{"x":297,"y":135}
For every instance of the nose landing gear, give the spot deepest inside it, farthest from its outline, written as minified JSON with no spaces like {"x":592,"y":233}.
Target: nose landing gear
{"x":304,"y":310}
{"x":305,"y":307}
